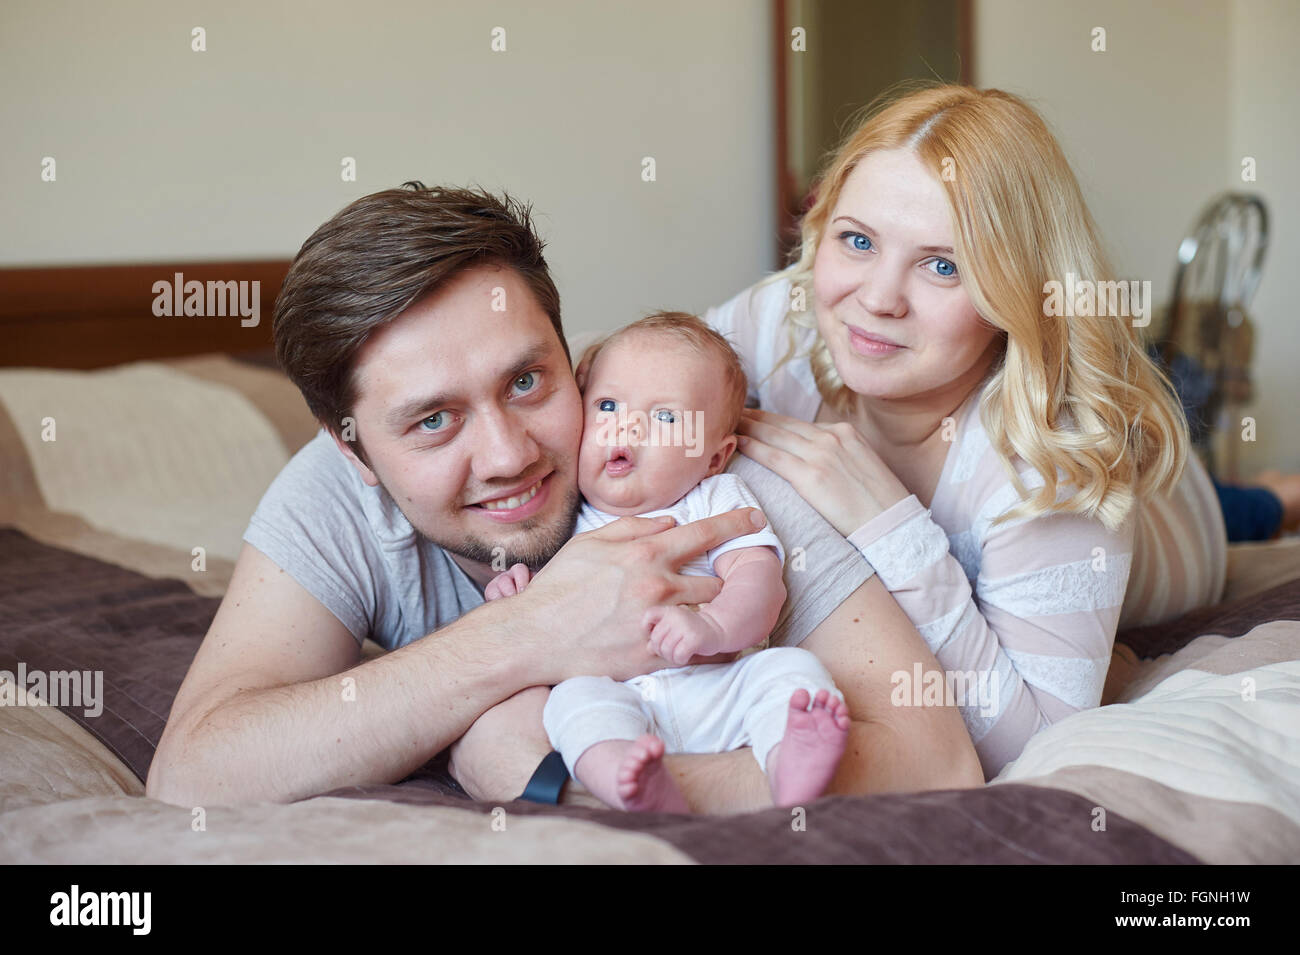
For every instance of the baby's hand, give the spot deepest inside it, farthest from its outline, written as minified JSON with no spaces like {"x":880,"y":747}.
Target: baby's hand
{"x":513,"y":581}
{"x":677,"y":634}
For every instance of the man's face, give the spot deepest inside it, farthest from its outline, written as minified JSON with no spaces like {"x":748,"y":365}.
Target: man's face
{"x":471,"y":420}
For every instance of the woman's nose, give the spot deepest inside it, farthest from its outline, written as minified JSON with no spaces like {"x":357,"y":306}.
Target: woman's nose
{"x":881,"y":292}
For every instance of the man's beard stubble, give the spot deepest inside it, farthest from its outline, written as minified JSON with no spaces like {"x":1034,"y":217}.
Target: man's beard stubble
{"x":541,"y":544}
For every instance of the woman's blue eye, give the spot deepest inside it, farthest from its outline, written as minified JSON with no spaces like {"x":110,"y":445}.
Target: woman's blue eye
{"x":945,"y":264}
{"x":608,"y":404}
{"x":860,"y":242}
{"x":666,"y":416}
{"x":526,"y":381}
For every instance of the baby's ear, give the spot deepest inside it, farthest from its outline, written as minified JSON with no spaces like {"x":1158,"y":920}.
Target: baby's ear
{"x":584,"y":365}
{"x":722,"y":456}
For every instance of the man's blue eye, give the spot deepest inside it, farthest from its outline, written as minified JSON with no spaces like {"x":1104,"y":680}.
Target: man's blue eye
{"x":526,"y":381}
{"x":437,"y":417}
{"x":666,"y":416}
{"x":608,"y":404}
{"x":946,"y":268}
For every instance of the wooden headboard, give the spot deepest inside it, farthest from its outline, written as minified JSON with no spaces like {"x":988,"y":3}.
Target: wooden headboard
{"x":94,"y":316}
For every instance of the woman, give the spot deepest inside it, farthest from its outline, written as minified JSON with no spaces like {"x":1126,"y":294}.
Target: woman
{"x":1010,"y":472}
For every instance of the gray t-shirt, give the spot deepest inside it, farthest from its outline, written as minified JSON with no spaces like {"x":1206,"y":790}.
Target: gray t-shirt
{"x":351,"y":548}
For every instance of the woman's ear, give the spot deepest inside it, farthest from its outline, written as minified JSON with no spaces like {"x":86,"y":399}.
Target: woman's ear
{"x":584,"y":365}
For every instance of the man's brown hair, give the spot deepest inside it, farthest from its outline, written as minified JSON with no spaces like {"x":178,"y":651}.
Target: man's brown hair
{"x":376,"y":257}
{"x":692,"y":330}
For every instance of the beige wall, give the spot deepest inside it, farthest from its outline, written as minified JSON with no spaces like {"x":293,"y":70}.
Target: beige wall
{"x":168,"y":154}
{"x":1264,"y":122}
{"x":1156,"y":126}
{"x":163,"y":153}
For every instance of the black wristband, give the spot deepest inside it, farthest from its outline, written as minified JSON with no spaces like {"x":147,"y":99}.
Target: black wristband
{"x":548,"y":780}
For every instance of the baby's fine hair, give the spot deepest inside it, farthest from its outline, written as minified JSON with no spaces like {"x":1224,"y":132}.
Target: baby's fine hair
{"x":693,"y":331}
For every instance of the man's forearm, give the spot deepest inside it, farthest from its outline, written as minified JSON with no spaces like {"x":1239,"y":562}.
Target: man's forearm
{"x":875,"y":761}
{"x":374,"y":723}
{"x":878,"y":759}
{"x":721,"y":783}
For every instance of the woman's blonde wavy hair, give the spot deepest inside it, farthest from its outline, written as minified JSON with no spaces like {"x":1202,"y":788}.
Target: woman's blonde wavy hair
{"x":1076,"y":398}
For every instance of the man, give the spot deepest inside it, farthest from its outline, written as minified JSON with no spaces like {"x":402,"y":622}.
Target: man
{"x":423,"y":329}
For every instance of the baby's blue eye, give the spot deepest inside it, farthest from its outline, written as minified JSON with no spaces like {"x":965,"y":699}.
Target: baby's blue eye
{"x":608,"y":404}
{"x":945,"y":268}
{"x":666,"y":416}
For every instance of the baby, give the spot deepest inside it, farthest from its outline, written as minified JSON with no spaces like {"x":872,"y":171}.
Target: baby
{"x":662,"y":400}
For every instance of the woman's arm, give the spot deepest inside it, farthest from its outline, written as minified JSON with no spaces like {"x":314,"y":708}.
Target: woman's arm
{"x":869,"y":645}
{"x":1031,"y":643}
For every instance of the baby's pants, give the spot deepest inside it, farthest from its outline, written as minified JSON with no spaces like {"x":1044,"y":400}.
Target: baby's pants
{"x":706,"y":708}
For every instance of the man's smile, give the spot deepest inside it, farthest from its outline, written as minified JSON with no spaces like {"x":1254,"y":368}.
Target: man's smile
{"x":518,"y":503}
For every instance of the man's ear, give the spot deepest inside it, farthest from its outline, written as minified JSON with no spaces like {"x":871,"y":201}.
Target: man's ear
{"x":718,"y":463}
{"x":367,"y":475}
{"x":584,"y":365}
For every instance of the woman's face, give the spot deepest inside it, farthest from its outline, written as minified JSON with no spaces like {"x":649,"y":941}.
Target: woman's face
{"x":888,"y":291}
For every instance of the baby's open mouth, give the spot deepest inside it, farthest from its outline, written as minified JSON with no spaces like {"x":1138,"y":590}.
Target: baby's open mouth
{"x":619,"y":462}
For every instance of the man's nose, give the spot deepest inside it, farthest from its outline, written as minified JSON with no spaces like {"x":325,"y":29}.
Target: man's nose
{"x":505,"y":447}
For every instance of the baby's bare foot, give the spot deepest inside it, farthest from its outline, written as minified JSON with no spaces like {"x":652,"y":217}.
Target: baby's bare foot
{"x":644,"y":783}
{"x":802,"y":765}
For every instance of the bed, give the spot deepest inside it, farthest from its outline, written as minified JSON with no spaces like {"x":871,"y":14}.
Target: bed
{"x":125,"y":492}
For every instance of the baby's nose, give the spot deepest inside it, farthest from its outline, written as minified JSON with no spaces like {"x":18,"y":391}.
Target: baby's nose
{"x":631,"y":431}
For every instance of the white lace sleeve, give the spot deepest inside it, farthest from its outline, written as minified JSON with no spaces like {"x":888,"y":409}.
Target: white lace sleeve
{"x":1031,"y":640}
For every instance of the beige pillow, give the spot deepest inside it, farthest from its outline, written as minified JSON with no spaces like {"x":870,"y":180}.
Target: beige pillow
{"x":142,"y":464}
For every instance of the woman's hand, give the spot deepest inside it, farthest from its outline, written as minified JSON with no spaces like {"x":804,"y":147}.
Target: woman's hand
{"x":830,"y":465}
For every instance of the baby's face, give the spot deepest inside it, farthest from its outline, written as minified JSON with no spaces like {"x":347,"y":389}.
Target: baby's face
{"x":652,"y":424}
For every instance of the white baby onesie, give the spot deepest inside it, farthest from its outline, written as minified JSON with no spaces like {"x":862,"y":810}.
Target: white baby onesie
{"x":704,"y":708}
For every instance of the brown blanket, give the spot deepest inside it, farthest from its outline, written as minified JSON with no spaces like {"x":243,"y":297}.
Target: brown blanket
{"x":66,"y":611}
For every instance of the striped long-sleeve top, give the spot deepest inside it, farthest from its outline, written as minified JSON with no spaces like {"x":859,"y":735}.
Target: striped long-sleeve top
{"x":1022,"y":615}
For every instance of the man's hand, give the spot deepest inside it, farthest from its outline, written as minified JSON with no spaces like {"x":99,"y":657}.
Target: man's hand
{"x":602,"y":583}
{"x":512,"y":582}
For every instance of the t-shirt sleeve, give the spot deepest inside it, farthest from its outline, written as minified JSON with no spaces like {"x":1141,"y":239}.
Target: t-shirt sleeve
{"x":821,"y":568}
{"x":726,"y":492}
{"x":310,"y":525}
